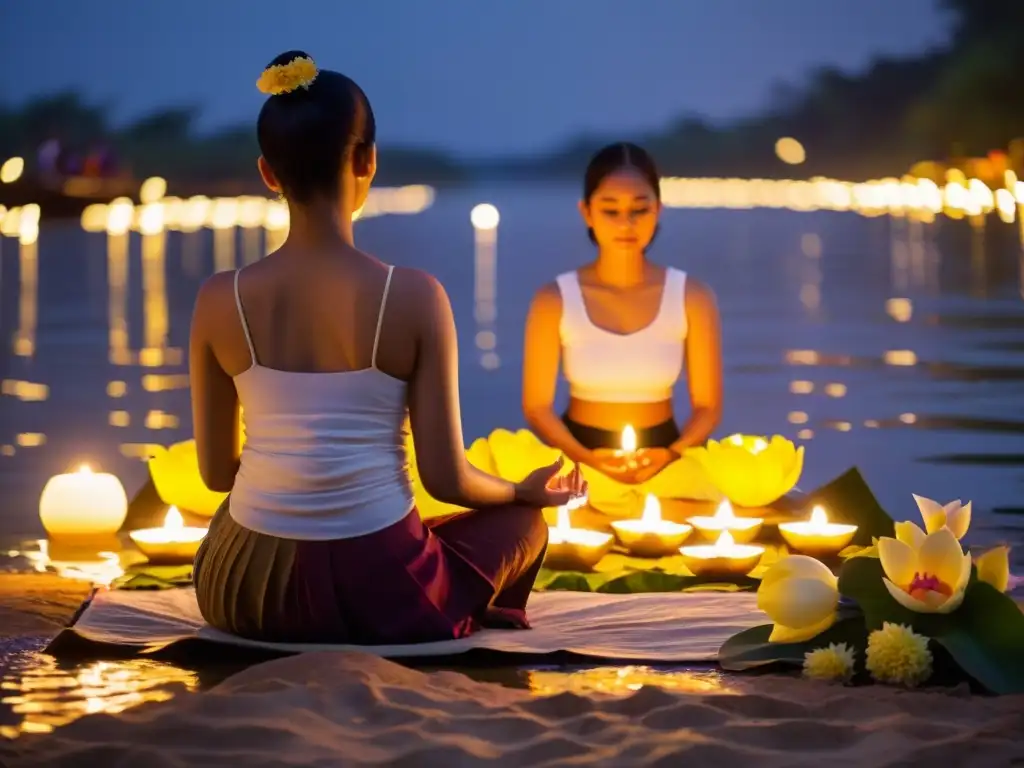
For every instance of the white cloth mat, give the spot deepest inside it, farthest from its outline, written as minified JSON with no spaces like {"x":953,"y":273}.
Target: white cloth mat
{"x":651,"y":627}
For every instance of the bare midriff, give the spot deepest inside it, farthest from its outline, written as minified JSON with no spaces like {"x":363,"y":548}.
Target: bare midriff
{"x":615,"y":416}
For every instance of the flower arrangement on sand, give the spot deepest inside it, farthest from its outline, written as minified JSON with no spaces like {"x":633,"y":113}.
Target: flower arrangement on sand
{"x":910,"y":609}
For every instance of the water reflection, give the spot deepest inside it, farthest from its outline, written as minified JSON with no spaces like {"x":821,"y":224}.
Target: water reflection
{"x":624,"y":681}
{"x":485,"y":219}
{"x":44,"y":695}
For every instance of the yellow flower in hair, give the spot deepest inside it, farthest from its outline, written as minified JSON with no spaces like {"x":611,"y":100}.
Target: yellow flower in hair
{"x":300,"y":72}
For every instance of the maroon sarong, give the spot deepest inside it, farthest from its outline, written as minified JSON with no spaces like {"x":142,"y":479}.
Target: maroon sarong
{"x":412,"y":582}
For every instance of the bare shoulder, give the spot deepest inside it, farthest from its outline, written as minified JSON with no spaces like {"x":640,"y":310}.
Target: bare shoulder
{"x":417,"y":289}
{"x":547,"y":300}
{"x":700,"y":297}
{"x":215,"y":297}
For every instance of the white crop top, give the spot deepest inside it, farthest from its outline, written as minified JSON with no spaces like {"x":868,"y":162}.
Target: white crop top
{"x":640,"y":367}
{"x":324,"y":456}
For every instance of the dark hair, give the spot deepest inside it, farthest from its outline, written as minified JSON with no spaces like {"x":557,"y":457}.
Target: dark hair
{"x":613,"y":158}
{"x":306,"y":134}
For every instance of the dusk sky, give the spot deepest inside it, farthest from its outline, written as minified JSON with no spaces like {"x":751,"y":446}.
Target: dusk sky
{"x":472,"y":76}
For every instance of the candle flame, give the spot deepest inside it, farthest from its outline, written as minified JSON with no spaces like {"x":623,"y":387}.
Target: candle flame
{"x":725,"y":540}
{"x":563,"y":523}
{"x":759,"y":445}
{"x":85,"y":469}
{"x":724,"y":512}
{"x":629,"y":439}
{"x":736,"y":439}
{"x":818,"y":516}
{"x":652,"y":509}
{"x":173,"y":520}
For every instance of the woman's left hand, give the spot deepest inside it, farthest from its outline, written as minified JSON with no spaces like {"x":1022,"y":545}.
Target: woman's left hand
{"x":650,"y":461}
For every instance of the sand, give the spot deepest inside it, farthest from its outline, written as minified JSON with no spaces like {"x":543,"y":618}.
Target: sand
{"x":333,"y":709}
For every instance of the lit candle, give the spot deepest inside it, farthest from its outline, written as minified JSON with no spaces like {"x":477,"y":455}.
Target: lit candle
{"x":651,"y":536}
{"x":724,"y":558}
{"x":628,"y":446}
{"x":817,"y":537}
{"x":741,"y":529}
{"x":173,"y":543}
{"x":83,"y":504}
{"x":574,"y":549}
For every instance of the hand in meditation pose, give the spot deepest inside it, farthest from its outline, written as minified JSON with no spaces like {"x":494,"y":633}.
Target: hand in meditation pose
{"x":623,"y":330}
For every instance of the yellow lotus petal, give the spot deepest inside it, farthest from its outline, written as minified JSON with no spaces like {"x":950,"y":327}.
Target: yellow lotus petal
{"x":903,"y":598}
{"x":994,"y":567}
{"x":800,"y":567}
{"x":910,"y":534}
{"x":798,"y":603}
{"x":783,"y":634}
{"x":941,"y":556}
{"x":480,"y":456}
{"x":898,"y":560}
{"x":176,"y":477}
{"x":965,"y":573}
{"x":684,"y":478}
{"x":958,"y":518}
{"x":933,"y":513}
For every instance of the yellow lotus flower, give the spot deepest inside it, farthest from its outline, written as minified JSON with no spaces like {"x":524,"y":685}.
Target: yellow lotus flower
{"x":478,"y":454}
{"x":517,"y":454}
{"x":175,"y":473}
{"x":898,"y":655}
{"x":752,"y":471}
{"x":800,"y":595}
{"x":954,"y":515}
{"x":929,"y":578}
{"x":834,"y":662}
{"x":994,"y":567}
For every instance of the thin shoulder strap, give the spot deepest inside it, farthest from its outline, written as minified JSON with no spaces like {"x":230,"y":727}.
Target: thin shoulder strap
{"x":241,"y":316}
{"x":573,"y":308}
{"x":380,"y":316}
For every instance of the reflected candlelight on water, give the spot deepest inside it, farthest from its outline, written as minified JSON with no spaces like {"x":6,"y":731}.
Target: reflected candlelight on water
{"x":900,"y":310}
{"x":154,"y":289}
{"x":117,"y":281}
{"x":900,"y":357}
{"x":28,"y":296}
{"x":485,"y":218}
{"x":835,"y":390}
{"x":800,"y":387}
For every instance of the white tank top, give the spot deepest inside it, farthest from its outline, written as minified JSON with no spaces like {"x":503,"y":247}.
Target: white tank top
{"x":324,"y":456}
{"x":606,"y":367}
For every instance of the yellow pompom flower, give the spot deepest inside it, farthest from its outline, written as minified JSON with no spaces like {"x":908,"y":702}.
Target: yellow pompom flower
{"x":833,"y":662}
{"x":899,"y":656}
{"x":300,"y":72}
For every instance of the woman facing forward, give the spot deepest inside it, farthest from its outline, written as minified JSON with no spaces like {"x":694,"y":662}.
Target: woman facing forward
{"x":623,"y":330}
{"x":327,"y":350}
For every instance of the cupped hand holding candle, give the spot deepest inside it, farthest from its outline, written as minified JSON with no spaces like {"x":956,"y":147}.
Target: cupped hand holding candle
{"x":817,"y":537}
{"x":574,"y":549}
{"x":173,"y":543}
{"x":651,"y":536}
{"x":740,"y":529}
{"x":725,"y":558}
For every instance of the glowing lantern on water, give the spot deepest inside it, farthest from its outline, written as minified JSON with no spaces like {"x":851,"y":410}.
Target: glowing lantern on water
{"x":83,"y":503}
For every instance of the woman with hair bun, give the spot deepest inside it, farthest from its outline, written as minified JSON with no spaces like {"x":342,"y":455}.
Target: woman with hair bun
{"x":328,"y":350}
{"x":623,"y":329}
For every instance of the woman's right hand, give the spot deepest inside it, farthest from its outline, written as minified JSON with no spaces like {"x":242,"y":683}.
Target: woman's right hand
{"x":544,"y":487}
{"x":613,"y":464}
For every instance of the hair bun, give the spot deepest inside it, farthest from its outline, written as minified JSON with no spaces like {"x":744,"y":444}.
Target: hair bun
{"x":288,"y":72}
